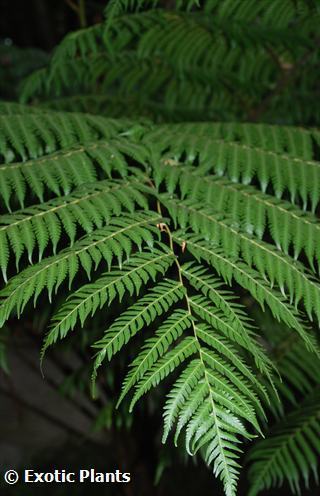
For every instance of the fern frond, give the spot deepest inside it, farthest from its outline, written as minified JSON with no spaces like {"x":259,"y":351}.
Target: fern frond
{"x":233,"y":269}
{"x":61,"y":171}
{"x":57,"y":171}
{"x":201,"y":401}
{"x":224,"y":385}
{"x":158,"y":300}
{"x":28,"y":136}
{"x":120,"y":54}
{"x":290,"y":453}
{"x":97,"y":172}
{"x":153,"y":370}
{"x":290,"y":275}
{"x":88,"y":207}
{"x":243,"y":163}
{"x":280,"y":140}
{"x":209,"y":406}
{"x":115,"y":240}
{"x":287,"y":225}
{"x":89,"y":298}
{"x":252,"y":210}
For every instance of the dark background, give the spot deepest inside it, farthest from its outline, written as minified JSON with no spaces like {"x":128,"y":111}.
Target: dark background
{"x":40,"y":427}
{"x":43,"y":23}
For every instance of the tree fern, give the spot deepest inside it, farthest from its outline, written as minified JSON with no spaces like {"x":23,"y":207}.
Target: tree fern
{"x":203,"y":334}
{"x":175,"y":233}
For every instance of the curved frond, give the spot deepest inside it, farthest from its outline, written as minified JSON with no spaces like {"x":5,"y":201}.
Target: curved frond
{"x":113,"y":241}
{"x":89,"y":207}
{"x":89,"y":298}
{"x":254,"y":211}
{"x":290,"y":275}
{"x":232,"y":269}
{"x":290,"y":453}
{"x":158,"y":300}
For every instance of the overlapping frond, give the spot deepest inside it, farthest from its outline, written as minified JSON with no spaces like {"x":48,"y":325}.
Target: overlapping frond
{"x":61,"y":171}
{"x":30,"y":135}
{"x":114,"y":241}
{"x":253,"y":210}
{"x":256,"y":156}
{"x":88,"y":207}
{"x":291,"y":451}
{"x":229,"y":59}
{"x":135,"y":273}
{"x":230,"y":269}
{"x":162,"y":218}
{"x":291,"y":277}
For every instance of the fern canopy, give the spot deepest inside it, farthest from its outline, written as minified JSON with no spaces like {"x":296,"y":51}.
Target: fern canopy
{"x":135,"y":62}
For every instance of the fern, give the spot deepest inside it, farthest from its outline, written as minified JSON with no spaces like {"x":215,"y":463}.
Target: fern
{"x":225,"y":376}
{"x":251,"y":280}
{"x":115,"y":240}
{"x":244,"y":163}
{"x":251,"y":52}
{"x":253,"y":210}
{"x":195,"y":242}
{"x":293,"y":443}
{"x":87,"y":299}
{"x":298,"y":372}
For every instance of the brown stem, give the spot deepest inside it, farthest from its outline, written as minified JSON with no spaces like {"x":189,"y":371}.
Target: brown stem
{"x":82,"y":13}
{"x":80,"y":10}
{"x":72,"y":5}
